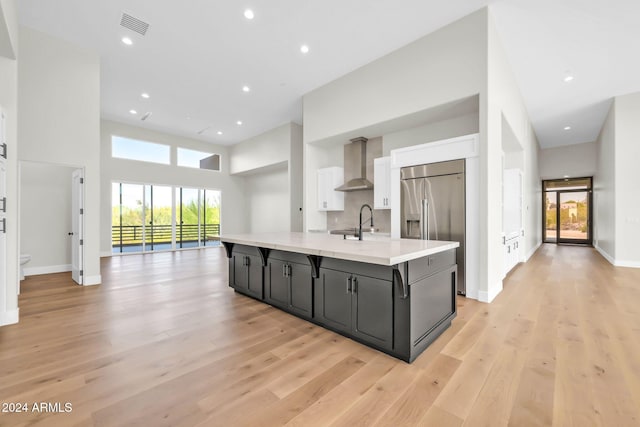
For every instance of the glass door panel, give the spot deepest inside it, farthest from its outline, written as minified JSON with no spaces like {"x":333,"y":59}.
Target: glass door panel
{"x":187,"y":233}
{"x":210,"y":217}
{"x":551,"y":225}
{"x":160,"y":234}
{"x":574,"y":217}
{"x":131,"y":233}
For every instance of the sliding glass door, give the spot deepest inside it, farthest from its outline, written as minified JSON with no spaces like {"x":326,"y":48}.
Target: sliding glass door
{"x":159,"y":228}
{"x":143,"y":218}
{"x":188,"y":233}
{"x":210,"y":217}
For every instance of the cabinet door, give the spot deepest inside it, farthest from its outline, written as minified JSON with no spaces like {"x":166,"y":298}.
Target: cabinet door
{"x":276,"y":284}
{"x":301,"y":287}
{"x":382,"y":183}
{"x":254,"y":279}
{"x":323,"y":184}
{"x":240,"y":277}
{"x":373,"y":310}
{"x":333,"y":299}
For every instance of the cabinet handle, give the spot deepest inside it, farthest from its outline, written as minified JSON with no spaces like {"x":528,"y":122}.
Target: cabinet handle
{"x":4,"y":204}
{"x":288,"y":270}
{"x":504,"y":240}
{"x":349,"y":285}
{"x":4,"y":150}
{"x":4,"y":225}
{"x":354,"y":289}
{"x":283,"y":273}
{"x":509,"y":249}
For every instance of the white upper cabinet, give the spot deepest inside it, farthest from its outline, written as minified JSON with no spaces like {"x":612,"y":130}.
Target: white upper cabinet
{"x":328,"y":180}
{"x":382,"y":183}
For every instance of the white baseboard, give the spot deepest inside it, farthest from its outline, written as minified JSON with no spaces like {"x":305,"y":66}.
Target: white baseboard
{"x":630,"y":264}
{"x":9,"y":317}
{"x":491,"y":294}
{"x":606,"y":256}
{"x":48,"y":269}
{"x":92,"y":280}
{"x":533,"y":251}
{"x":616,"y":262}
{"x":105,"y":254}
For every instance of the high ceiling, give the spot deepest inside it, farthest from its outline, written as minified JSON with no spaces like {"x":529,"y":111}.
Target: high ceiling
{"x":196,"y":56}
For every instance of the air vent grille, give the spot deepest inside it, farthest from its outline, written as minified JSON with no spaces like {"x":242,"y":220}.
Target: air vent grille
{"x":146,"y":116}
{"x":134,"y":24}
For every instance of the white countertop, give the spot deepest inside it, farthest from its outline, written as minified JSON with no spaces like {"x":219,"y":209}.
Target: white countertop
{"x":382,"y":251}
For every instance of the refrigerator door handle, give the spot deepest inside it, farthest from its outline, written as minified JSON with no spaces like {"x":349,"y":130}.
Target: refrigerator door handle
{"x":424,"y":220}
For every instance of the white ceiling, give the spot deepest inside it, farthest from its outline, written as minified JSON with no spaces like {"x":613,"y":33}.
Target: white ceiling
{"x":197,"y":55}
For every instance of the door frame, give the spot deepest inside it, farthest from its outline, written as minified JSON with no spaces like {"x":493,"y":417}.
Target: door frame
{"x":77,"y":239}
{"x":589,"y":191}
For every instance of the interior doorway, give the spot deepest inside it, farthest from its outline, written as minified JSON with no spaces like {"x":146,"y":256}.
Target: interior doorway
{"x":567,"y":211}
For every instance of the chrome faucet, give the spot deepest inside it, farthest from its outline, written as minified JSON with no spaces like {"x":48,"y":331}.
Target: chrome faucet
{"x":360,"y":221}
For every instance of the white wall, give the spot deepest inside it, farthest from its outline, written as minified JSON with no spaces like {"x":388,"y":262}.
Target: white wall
{"x":120,"y":170}
{"x":604,"y":189}
{"x":45,"y":217}
{"x":277,"y":148}
{"x":8,"y":29}
{"x":59,"y":121}
{"x":266,"y":149}
{"x":445,"y":129}
{"x":443,"y":66}
{"x":267,"y":200}
{"x":9,"y":103}
{"x":504,"y":103}
{"x":627,"y":179}
{"x":295,"y":178}
{"x":578,"y":160}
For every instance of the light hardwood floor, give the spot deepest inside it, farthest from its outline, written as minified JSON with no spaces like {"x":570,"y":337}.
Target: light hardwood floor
{"x":165,"y":341}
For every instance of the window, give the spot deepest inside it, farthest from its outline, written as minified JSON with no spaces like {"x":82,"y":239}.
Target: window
{"x":131,"y":149}
{"x":198,"y":159}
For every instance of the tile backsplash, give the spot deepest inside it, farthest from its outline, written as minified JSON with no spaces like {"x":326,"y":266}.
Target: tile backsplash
{"x":353,"y":200}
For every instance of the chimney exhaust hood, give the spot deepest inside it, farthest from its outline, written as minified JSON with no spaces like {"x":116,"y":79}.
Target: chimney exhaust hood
{"x":358,"y":163}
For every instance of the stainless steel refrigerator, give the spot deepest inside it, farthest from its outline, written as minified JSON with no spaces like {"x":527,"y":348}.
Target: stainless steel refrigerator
{"x":433,"y":206}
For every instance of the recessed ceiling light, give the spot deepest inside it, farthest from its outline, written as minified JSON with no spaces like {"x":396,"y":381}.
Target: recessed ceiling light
{"x":219,"y":132}
{"x":567,"y":128}
{"x":246,"y":88}
{"x":145,"y":95}
{"x":568,"y":78}
{"x":566,"y":176}
{"x":127,"y":41}
{"x":248,"y":13}
{"x":133,"y":112}
{"x":239,"y":122}
{"x":304,"y":48}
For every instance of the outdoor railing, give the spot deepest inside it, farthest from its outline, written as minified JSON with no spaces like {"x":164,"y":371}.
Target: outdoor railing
{"x":131,"y":235}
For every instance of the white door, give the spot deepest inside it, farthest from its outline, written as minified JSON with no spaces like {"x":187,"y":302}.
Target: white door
{"x":3,"y":234}
{"x":77,"y":226}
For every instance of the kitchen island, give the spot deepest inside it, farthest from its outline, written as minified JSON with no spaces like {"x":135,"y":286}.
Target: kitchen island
{"x":395,"y":295}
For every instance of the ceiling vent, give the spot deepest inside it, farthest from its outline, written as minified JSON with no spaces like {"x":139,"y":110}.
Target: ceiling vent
{"x":146,"y":116}
{"x":134,"y":24}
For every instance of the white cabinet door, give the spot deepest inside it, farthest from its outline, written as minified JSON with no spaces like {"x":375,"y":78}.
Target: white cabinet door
{"x":382,"y":183}
{"x":328,"y":180}
{"x":512,"y":203}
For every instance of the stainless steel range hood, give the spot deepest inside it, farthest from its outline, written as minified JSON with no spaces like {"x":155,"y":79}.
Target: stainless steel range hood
{"x":358,"y":163}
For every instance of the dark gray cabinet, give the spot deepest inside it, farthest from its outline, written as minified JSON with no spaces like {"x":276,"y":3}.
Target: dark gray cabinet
{"x":288,"y":284}
{"x":359,"y":305}
{"x":245,"y":273}
{"x":398,"y":309}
